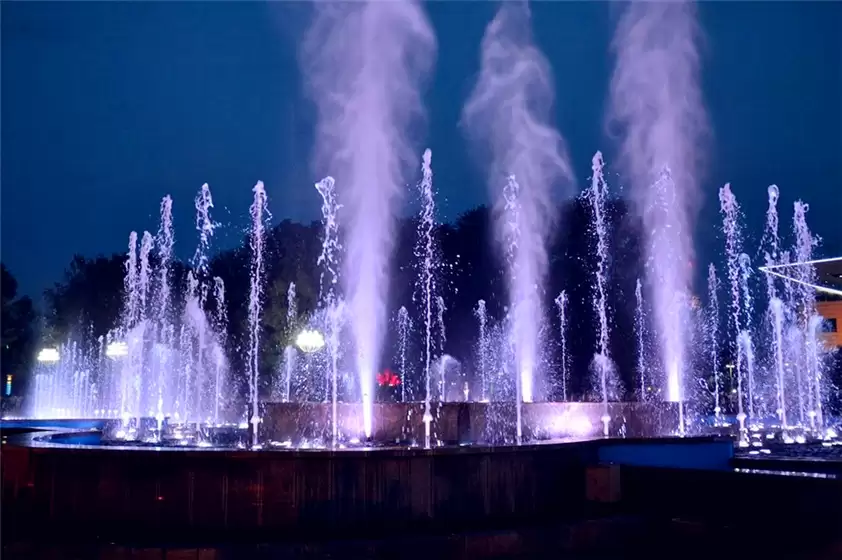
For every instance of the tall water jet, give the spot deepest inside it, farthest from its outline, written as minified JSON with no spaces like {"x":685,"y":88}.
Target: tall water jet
{"x":712,"y":335}
{"x":748,"y":343}
{"x":597,"y":196}
{"x":257,"y":241}
{"x":143,"y":288}
{"x":404,"y":331}
{"x":426,"y":255}
{"x":130,"y":366}
{"x":640,"y":330}
{"x":441,"y":308}
{"x":197,"y":299}
{"x":656,"y":100}
{"x":289,"y":350}
{"x":776,"y":314}
{"x":221,"y":327}
{"x":144,"y":274}
{"x":365,"y":62}
{"x":509,"y":115}
{"x":730,"y":211}
{"x":809,"y":320}
{"x":328,"y":280}
{"x":165,"y":241}
{"x":561,"y":306}
{"x":481,"y":314}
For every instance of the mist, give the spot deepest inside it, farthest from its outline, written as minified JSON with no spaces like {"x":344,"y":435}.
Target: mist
{"x":509,"y":120}
{"x":656,"y":105}
{"x":365,"y":64}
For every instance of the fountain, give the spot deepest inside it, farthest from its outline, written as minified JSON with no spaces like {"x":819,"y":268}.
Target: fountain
{"x":404,"y":331}
{"x":640,"y":327}
{"x":199,"y":363}
{"x":425,"y":252}
{"x":561,"y":304}
{"x":712,"y":335}
{"x":481,"y":313}
{"x":174,"y":357}
{"x":733,"y":244}
{"x":809,"y":321}
{"x":597,"y":195}
{"x":332,"y":306}
{"x":289,"y":349}
{"x":259,"y":215}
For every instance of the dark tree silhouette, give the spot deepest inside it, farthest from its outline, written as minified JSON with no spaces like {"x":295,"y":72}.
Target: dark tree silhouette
{"x":89,"y":300}
{"x":18,"y":329}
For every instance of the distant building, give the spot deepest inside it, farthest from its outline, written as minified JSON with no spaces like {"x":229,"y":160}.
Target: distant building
{"x":829,"y":305}
{"x":828,"y":288}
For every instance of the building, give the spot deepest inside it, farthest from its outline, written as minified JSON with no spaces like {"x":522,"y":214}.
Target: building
{"x":829,"y":304}
{"x":828,"y":288}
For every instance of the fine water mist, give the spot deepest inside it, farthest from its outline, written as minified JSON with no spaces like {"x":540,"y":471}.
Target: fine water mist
{"x":365,"y":62}
{"x":509,"y":116}
{"x":657,"y":103}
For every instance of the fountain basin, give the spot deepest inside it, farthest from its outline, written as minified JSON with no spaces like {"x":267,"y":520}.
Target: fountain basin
{"x":175,"y":494}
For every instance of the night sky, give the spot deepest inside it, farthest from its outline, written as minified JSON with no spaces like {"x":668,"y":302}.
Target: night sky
{"x":107,"y":106}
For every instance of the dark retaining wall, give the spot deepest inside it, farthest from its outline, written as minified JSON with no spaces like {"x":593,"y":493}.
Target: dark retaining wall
{"x":148,"y":498}
{"x":180,"y":494}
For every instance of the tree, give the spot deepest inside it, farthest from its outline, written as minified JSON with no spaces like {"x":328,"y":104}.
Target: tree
{"x":90,"y":296}
{"x":18,"y":322}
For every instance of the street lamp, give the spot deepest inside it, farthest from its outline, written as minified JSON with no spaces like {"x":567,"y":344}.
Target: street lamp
{"x":116,"y":350}
{"x":48,"y":355}
{"x":309,"y":341}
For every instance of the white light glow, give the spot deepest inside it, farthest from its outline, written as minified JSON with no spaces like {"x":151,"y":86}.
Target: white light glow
{"x":116,"y":350}
{"x":48,"y":355}
{"x":310,"y":341}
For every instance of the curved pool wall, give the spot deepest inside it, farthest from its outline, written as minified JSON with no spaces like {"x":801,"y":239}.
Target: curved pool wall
{"x":468,"y":422}
{"x":64,"y":480}
{"x":160,"y":497}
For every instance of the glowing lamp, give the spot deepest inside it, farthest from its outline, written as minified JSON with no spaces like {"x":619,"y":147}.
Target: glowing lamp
{"x":310,"y":341}
{"x":116,"y":350}
{"x":48,"y":355}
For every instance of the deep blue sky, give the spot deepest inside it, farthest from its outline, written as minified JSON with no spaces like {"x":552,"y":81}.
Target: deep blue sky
{"x":107,"y":106}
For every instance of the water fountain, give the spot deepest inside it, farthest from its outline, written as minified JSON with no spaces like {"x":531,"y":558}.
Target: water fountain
{"x":384,"y":454}
{"x":712,"y":335}
{"x":289,"y":349}
{"x":809,"y":321}
{"x":561,"y":304}
{"x":257,"y":240}
{"x":404,"y":331}
{"x":640,"y":328}
{"x":425,"y":252}
{"x":597,"y":196}
{"x":169,"y":357}
{"x":332,"y":306}
{"x":481,"y":313}
{"x":733,"y":248}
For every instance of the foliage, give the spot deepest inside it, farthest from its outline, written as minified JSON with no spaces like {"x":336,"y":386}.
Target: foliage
{"x":91,"y":291}
{"x":18,"y":324}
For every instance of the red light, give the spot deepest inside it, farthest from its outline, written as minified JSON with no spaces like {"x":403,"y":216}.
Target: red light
{"x":387,"y":378}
